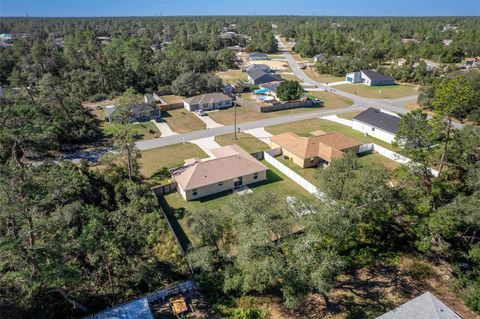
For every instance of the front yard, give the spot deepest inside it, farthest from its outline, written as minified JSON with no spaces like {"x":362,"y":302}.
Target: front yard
{"x":348,"y":116}
{"x":331,"y":100}
{"x":322,"y":78}
{"x":182,"y":121}
{"x":246,"y":141}
{"x":379,"y":92}
{"x":179,"y":210}
{"x":168,"y":156}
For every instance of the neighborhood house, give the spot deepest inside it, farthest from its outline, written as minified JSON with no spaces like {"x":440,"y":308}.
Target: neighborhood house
{"x":257,"y":76}
{"x":209,"y":101}
{"x":257,"y":56}
{"x":369,"y":77}
{"x":262,"y":67}
{"x":377,"y":123}
{"x":168,"y":102}
{"x":230,"y":168}
{"x":319,"y":149}
{"x":137,"y":113}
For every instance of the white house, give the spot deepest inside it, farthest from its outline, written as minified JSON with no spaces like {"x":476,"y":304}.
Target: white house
{"x":231,"y":167}
{"x":377,"y":123}
{"x":369,"y":77}
{"x":209,"y":101}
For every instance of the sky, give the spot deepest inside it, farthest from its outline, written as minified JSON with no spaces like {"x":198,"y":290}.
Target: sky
{"x":85,"y":8}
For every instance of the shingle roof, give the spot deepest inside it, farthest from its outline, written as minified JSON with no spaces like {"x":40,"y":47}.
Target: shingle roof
{"x":207,"y":98}
{"x":272,"y":86}
{"x":263,"y":67}
{"x":257,"y":55}
{"x":257,"y":74}
{"x":377,"y":118}
{"x":230,"y":161}
{"x":327,"y":146}
{"x":376,"y":76}
{"x":426,"y":306}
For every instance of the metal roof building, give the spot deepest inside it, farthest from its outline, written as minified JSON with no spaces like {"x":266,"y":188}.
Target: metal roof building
{"x":138,"y":309}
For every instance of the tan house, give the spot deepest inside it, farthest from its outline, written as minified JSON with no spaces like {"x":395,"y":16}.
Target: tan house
{"x":230,"y":167}
{"x":320,"y":148}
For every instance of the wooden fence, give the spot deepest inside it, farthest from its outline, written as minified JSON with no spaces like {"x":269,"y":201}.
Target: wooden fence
{"x":165,"y":189}
{"x":276,"y":106}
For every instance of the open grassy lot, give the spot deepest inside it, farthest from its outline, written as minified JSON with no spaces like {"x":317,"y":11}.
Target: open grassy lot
{"x":348,"y":116}
{"x":168,"y":156}
{"x":379,"y":92}
{"x":232,"y":76}
{"x":331,"y":100}
{"x":290,"y":77}
{"x":299,"y":59}
{"x":276,"y":56}
{"x":182,"y":121}
{"x":322,"y":78}
{"x":368,"y":158}
{"x":304,"y":128}
{"x":179,"y":210}
{"x":246,"y":141}
{"x":274,"y":64}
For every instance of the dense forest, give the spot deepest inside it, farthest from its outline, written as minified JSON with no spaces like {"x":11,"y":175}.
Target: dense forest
{"x":75,"y":238}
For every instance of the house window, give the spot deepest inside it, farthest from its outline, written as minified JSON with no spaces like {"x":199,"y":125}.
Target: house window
{"x":373,"y":129}
{"x":220,"y":184}
{"x":194,"y":192}
{"x":255,"y":175}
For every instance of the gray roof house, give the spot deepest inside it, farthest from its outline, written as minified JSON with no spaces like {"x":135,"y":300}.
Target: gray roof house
{"x":257,"y":76}
{"x":254,"y":56}
{"x":263,"y":67}
{"x":318,"y":57}
{"x":209,"y":101}
{"x":140,"y":112}
{"x":377,"y":123}
{"x":426,"y":306}
{"x":369,"y":77}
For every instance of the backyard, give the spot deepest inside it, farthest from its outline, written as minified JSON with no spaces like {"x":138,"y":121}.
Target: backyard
{"x":178,"y":210}
{"x":168,"y":156}
{"x":379,"y":92}
{"x":246,"y":141}
{"x":182,"y":121}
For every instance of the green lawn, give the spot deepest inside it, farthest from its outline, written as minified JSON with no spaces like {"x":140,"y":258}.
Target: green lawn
{"x":168,"y":156}
{"x":246,"y":141}
{"x":368,"y":158}
{"x":182,"y":121}
{"x":307,"y":173}
{"x":322,"y":78}
{"x":276,"y":56}
{"x":304,"y":128}
{"x":330,"y":100}
{"x":142,"y":131}
{"x":379,"y":92}
{"x":179,"y":210}
{"x":290,"y":77}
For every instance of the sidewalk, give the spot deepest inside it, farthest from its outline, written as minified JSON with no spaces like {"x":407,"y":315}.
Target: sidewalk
{"x":207,"y":144}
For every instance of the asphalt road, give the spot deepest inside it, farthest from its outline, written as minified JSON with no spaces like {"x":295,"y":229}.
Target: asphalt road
{"x":186,"y":137}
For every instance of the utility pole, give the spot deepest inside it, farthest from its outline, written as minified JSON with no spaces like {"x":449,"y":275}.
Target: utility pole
{"x":235,"y":120}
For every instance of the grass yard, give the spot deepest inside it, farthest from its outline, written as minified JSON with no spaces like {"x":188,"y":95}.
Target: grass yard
{"x":298,"y":58}
{"x":142,"y":131}
{"x":322,"y":78}
{"x":331,"y":100}
{"x":182,"y":121}
{"x":168,"y":156}
{"x":246,"y":114}
{"x":307,"y":173}
{"x":276,"y":56}
{"x":290,"y":77}
{"x":379,"y":92}
{"x":348,"y":116}
{"x":179,"y":210}
{"x":246,"y":141}
{"x":303,"y":128}
{"x":370,"y":157}
{"x":232,"y":76}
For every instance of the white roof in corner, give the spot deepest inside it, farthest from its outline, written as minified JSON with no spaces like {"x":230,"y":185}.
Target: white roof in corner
{"x":426,"y":306}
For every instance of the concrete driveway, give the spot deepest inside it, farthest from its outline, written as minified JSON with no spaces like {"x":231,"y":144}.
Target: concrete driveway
{"x":261,"y":134}
{"x":207,"y":144}
{"x":209,"y":122}
{"x":164,"y":128}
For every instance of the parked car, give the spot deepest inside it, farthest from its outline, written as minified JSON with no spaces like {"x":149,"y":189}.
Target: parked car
{"x":317,"y":101}
{"x":200,"y":113}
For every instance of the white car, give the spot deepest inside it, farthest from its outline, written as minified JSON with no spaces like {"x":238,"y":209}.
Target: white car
{"x":200,"y":113}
